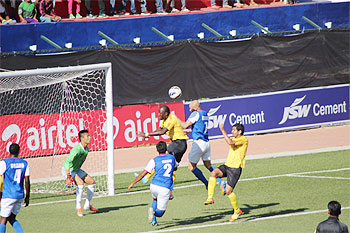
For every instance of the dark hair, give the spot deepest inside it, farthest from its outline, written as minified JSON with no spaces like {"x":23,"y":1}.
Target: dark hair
{"x":334,"y":208}
{"x":161,"y":147}
{"x":239,"y":127}
{"x":14,"y":149}
{"x":165,"y":109}
{"x":81,"y":132}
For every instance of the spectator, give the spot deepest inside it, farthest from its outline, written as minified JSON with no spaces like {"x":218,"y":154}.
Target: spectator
{"x":332,"y":224}
{"x":170,"y":6}
{"x":143,"y":5}
{"x":101,"y":6}
{"x":112,"y":10}
{"x":159,"y":7}
{"x":4,"y":14}
{"x":47,"y":12}
{"x":27,"y":12}
{"x":70,"y":9}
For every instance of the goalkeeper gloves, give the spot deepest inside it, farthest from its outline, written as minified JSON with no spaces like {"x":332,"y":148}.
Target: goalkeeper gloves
{"x":69,"y":181}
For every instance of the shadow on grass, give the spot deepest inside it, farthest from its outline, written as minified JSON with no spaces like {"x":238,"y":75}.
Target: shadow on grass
{"x":115,"y":208}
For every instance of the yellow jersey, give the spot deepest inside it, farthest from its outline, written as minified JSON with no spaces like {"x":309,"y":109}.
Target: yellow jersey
{"x":236,"y":155}
{"x":175,"y":131}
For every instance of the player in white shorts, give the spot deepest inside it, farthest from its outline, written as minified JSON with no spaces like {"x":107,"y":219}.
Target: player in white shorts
{"x":198,"y":120}
{"x":164,"y":166}
{"x":15,"y":172}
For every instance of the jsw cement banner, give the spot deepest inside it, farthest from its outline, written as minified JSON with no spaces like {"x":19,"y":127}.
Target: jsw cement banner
{"x":278,"y":111}
{"x":47,"y":134}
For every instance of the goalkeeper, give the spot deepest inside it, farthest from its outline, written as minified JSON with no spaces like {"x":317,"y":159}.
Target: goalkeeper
{"x":74,"y":173}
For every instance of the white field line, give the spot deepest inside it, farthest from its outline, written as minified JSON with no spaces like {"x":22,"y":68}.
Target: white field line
{"x":242,"y":221}
{"x":194,"y":185}
{"x":321,"y":177}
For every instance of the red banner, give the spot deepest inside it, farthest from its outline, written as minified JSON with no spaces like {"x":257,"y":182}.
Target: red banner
{"x":47,"y":134}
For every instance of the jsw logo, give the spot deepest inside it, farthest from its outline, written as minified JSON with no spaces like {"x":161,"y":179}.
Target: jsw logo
{"x":295,"y":111}
{"x":215,"y":120}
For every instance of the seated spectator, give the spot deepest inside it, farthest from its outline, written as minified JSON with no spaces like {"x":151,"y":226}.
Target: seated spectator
{"x":4,"y":14}
{"x":27,"y":12}
{"x":47,"y":12}
{"x":77,"y":10}
{"x":332,"y":224}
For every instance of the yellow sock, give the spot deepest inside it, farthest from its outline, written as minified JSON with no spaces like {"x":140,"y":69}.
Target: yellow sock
{"x":211,"y":187}
{"x":148,"y":176}
{"x":174,"y":177}
{"x":233,"y":200}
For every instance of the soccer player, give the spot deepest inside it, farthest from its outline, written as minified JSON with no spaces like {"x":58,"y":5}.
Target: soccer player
{"x":171,"y":126}
{"x":332,"y":224}
{"x":198,"y":120}
{"x":164,"y":166}
{"x":232,"y":168}
{"x":15,"y":172}
{"x":72,"y":168}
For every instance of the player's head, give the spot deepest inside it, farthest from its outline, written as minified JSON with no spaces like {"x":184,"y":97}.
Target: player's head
{"x":237,"y":130}
{"x":164,"y":112}
{"x":161,"y":147}
{"x":194,"y":106}
{"x":334,"y":208}
{"x":14,"y":149}
{"x":84,"y":136}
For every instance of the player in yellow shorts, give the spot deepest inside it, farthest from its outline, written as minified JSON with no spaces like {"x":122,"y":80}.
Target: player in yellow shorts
{"x":232,"y":168}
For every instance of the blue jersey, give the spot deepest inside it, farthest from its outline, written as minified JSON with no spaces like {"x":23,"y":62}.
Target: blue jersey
{"x":200,"y":125}
{"x":14,"y":170}
{"x":163,"y":166}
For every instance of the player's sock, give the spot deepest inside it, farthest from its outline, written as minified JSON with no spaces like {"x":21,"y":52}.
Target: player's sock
{"x":198,"y":173}
{"x":218,"y":179}
{"x":2,"y":228}
{"x":233,"y":200}
{"x":154,"y":207}
{"x":174,"y":178}
{"x":211,"y":187}
{"x":17,"y":226}
{"x":89,"y":193}
{"x":80,"y":190}
{"x":159,"y":213}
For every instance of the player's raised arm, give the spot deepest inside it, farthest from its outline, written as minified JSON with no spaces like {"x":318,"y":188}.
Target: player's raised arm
{"x":228,"y":140}
{"x":158,"y":132}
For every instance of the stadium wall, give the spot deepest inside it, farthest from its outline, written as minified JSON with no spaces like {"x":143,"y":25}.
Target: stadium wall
{"x":182,"y":26}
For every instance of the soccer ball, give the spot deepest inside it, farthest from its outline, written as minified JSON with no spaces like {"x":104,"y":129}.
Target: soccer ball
{"x":175,"y":92}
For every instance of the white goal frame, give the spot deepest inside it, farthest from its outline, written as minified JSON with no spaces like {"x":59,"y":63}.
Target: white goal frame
{"x":107,"y":67}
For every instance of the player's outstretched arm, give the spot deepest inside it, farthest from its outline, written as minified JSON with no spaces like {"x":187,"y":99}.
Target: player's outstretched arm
{"x":158,"y":132}
{"x":137,"y":179}
{"x":227,"y":138}
{"x":27,"y":186}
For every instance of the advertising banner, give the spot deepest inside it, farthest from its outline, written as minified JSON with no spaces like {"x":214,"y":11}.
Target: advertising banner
{"x":47,"y":134}
{"x":278,"y":111}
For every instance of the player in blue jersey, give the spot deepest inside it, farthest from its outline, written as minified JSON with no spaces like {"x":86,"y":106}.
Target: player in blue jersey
{"x":15,"y":172}
{"x":164,"y":165}
{"x":198,"y":120}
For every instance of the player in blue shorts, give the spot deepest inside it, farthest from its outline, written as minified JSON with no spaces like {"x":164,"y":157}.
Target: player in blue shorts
{"x":164,"y":165}
{"x":198,"y":120}
{"x":15,"y":172}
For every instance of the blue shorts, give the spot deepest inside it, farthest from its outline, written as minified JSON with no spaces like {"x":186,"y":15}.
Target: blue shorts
{"x":81,"y":173}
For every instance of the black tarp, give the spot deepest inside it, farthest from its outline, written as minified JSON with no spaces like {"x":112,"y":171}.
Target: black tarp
{"x":213,"y":69}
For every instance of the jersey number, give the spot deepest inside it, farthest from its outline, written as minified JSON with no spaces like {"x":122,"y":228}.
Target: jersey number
{"x":17,"y":176}
{"x":167,"y":167}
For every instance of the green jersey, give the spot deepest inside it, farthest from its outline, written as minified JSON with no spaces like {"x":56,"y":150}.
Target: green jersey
{"x":76,"y":158}
{"x":27,"y":10}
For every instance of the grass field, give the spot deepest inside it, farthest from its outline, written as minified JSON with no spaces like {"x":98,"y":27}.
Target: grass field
{"x":286,"y":194}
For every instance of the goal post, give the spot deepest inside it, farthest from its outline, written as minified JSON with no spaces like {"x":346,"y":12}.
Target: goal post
{"x":42,"y":109}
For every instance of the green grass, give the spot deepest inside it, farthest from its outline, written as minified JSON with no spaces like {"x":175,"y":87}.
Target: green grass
{"x":257,"y":198}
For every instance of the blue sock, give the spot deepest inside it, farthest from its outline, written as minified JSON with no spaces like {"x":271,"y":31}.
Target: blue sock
{"x":198,"y":173}
{"x":17,"y":226}
{"x":218,"y":179}
{"x":2,"y":228}
{"x":159,"y":213}
{"x":154,"y":207}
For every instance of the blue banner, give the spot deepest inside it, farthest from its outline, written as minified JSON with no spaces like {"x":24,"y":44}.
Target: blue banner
{"x":278,"y":111}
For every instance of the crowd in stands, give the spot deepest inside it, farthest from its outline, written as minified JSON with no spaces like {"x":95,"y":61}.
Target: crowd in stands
{"x":34,"y":11}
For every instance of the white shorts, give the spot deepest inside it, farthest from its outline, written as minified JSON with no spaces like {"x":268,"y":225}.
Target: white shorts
{"x":200,"y":149}
{"x":161,"y":194}
{"x":9,"y":205}
{"x":81,"y":173}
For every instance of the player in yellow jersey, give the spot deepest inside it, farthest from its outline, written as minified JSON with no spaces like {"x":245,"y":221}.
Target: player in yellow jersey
{"x":171,"y":126}
{"x":232,"y":168}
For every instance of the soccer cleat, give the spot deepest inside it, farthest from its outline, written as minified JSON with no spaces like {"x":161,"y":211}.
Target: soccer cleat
{"x":71,"y":16}
{"x":235,"y":215}
{"x":154,"y":223}
{"x":209,"y":201}
{"x":171,"y":196}
{"x":150,"y":214}
{"x":91,"y":208}
{"x":80,"y":212}
{"x":223,"y":188}
{"x":78,"y":16}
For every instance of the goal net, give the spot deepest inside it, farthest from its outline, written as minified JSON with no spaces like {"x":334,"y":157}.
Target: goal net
{"x":44,"y":109}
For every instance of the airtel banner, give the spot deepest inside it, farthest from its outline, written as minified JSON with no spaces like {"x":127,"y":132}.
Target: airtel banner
{"x":47,"y":134}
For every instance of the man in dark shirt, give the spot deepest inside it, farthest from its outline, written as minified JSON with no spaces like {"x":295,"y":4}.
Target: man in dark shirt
{"x":332,"y":224}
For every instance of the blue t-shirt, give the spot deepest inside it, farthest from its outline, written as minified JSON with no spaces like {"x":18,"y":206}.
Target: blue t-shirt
{"x":163,"y":166}
{"x":200,"y":125}
{"x":14,"y":171}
